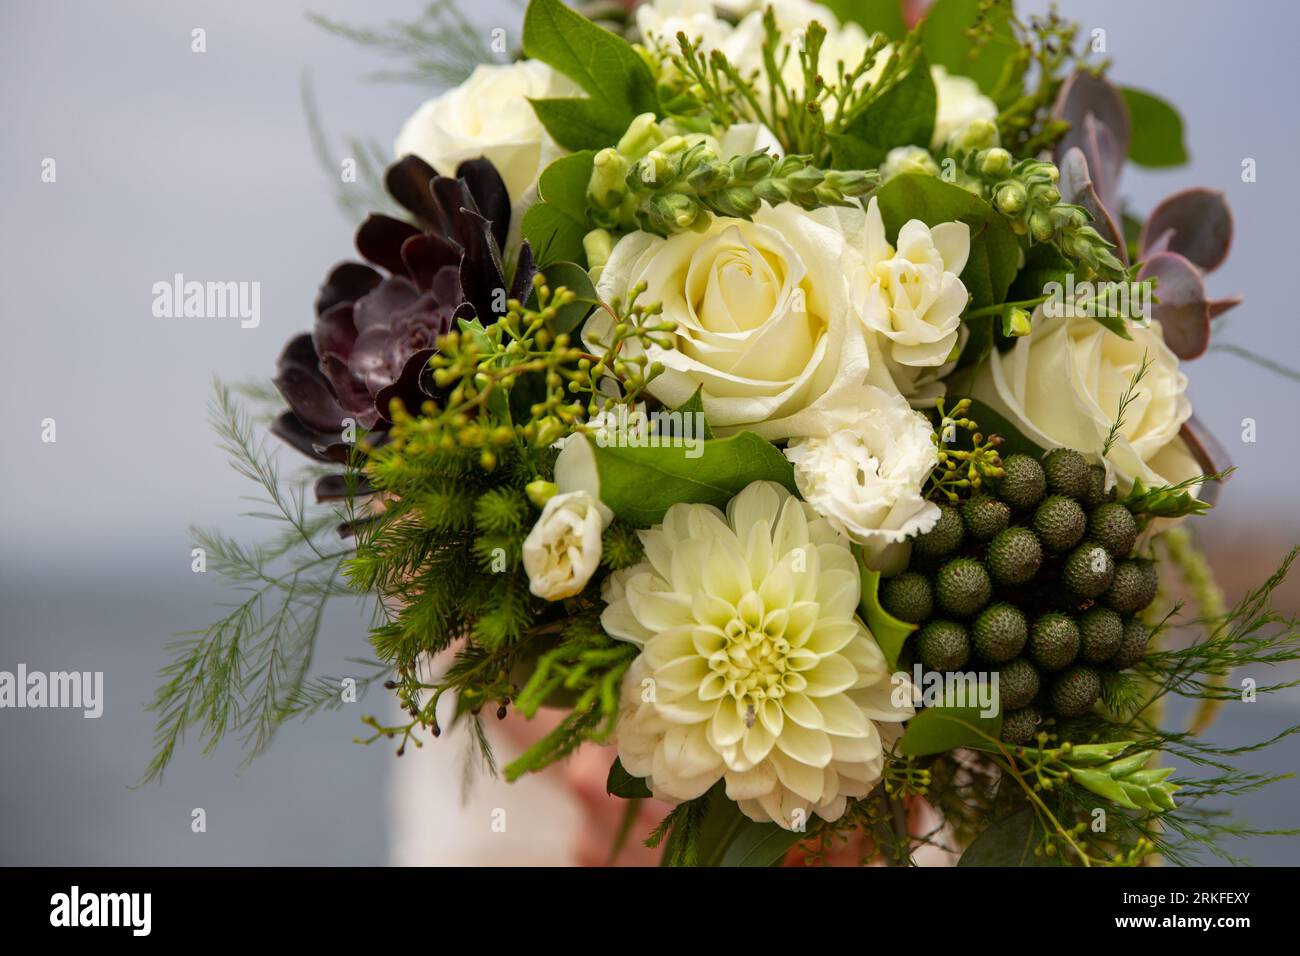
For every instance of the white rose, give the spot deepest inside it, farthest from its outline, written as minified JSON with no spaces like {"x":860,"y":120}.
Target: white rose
{"x":960,"y":102}
{"x":911,"y":296}
{"x":489,"y":115}
{"x":865,"y":471}
{"x":764,"y":326}
{"x":1062,"y":383}
{"x":563,"y":550}
{"x":664,"y":19}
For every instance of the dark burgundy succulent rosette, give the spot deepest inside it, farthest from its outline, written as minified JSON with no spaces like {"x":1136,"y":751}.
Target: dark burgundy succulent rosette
{"x":377,"y":328}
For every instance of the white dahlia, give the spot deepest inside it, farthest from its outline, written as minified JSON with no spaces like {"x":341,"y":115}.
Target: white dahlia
{"x":754,"y":667}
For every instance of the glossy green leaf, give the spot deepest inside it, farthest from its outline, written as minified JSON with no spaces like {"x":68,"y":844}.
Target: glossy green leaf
{"x":640,"y":484}
{"x":937,"y":730}
{"x":1157,"y":139}
{"x":902,"y":116}
{"x":1009,"y":841}
{"x":573,"y":277}
{"x":556,"y":225}
{"x":617,"y":81}
{"x":944,"y":39}
{"x":874,"y":16}
{"x":622,"y":784}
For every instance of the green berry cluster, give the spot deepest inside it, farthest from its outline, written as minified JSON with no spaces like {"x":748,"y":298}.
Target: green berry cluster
{"x":1034,"y":577}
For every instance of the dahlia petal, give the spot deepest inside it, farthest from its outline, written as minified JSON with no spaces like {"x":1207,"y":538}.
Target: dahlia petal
{"x":726,"y":728}
{"x":804,"y":780}
{"x":830,"y":636}
{"x":751,"y":784}
{"x":811,"y":747}
{"x":800,"y":709}
{"x":832,"y":675}
{"x":843,"y":717}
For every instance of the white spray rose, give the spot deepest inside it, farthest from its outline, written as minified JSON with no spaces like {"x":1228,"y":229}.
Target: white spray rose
{"x":754,"y":667}
{"x":865,"y":470}
{"x":960,"y":103}
{"x":1062,"y":383}
{"x":563,"y":550}
{"x":489,"y":115}
{"x":911,"y":297}
{"x":764,"y":326}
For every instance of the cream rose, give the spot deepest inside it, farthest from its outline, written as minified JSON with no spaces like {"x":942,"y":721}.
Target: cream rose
{"x":563,"y":550}
{"x":1062,"y":384}
{"x":764,"y":326}
{"x":911,"y":297}
{"x":489,"y":115}
{"x":865,"y":470}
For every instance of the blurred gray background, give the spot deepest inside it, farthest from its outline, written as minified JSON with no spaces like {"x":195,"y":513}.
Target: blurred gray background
{"x":170,"y":161}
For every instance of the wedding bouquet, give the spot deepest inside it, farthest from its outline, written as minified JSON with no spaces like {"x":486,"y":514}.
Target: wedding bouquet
{"x":783,"y":392}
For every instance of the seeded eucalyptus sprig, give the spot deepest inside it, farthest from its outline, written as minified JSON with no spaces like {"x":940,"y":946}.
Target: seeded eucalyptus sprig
{"x":959,"y":472}
{"x":677,"y":186}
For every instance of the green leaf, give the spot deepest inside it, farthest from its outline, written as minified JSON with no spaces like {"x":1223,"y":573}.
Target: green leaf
{"x":875,"y":16}
{"x":995,"y":253}
{"x":937,"y":730}
{"x":890,"y":633}
{"x":1009,"y":842}
{"x":618,"y":82}
{"x":991,"y":422}
{"x":574,"y":278}
{"x":903,"y":115}
{"x":1157,"y":139}
{"x":623,"y":785}
{"x":556,"y":225}
{"x":581,"y":124}
{"x":693,"y":405}
{"x":944,"y":39}
{"x":760,"y":844}
{"x":1043,"y":264}
{"x":640,"y":484}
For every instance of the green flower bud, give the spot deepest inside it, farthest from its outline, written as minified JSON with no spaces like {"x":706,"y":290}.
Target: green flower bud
{"x":606,"y":189}
{"x":597,"y":244}
{"x":643,"y":134}
{"x":996,"y":162}
{"x":1010,"y":198}
{"x":1041,"y":226}
{"x":977,"y":134}
{"x":539,"y":492}
{"x":907,"y":159}
{"x":1016,"y":321}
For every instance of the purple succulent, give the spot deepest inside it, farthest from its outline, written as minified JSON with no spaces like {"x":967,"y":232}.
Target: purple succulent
{"x":1185,"y":237}
{"x":375,"y":332}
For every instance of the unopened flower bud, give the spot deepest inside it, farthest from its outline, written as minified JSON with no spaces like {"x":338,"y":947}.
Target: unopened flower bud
{"x":1016,"y":321}
{"x":996,"y":162}
{"x":1010,"y":198}
{"x":606,"y":188}
{"x":643,"y":134}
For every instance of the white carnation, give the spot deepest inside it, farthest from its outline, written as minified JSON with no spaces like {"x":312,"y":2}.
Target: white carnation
{"x":866,"y":469}
{"x":754,"y":667}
